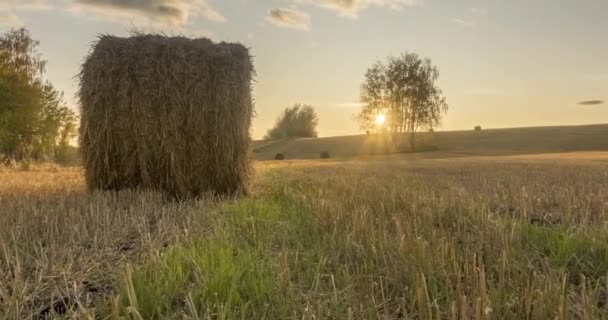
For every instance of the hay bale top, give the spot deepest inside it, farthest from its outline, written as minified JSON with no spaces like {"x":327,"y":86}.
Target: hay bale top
{"x":144,"y":59}
{"x":140,"y":42}
{"x":152,"y":57}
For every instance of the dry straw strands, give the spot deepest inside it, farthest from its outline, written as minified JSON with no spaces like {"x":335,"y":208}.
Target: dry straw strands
{"x":166,"y":113}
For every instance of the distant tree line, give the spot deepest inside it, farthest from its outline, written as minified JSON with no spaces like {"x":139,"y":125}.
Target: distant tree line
{"x":35,"y":122}
{"x":299,"y":121}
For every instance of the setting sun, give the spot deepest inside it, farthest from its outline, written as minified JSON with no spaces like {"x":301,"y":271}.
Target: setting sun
{"x":380,"y":119}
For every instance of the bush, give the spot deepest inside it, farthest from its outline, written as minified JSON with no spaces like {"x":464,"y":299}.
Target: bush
{"x":25,"y":166}
{"x":279,"y":156}
{"x":68,"y":156}
{"x":325,"y":155}
{"x":477,"y":128}
{"x":299,"y":121}
{"x":427,"y":148}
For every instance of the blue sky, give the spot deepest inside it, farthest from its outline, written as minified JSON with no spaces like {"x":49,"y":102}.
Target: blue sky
{"x":503,"y":63}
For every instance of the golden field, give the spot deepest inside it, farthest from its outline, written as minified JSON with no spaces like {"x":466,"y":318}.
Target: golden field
{"x":386,"y":237}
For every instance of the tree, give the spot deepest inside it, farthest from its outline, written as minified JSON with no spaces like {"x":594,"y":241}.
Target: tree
{"x":33,"y":114}
{"x":20,"y":103}
{"x":19,"y":56}
{"x":68,"y":131}
{"x":405,"y":92}
{"x":299,"y":121}
{"x":57,"y":125}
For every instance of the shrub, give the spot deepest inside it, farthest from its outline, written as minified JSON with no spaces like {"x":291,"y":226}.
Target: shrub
{"x":299,"y":121}
{"x":325,"y":155}
{"x":279,"y":156}
{"x":477,"y":128}
{"x":68,"y":156}
{"x":427,"y":148}
{"x":25,"y":166}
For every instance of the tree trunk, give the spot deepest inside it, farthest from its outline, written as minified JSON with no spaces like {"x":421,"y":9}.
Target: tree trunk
{"x":413,"y":141}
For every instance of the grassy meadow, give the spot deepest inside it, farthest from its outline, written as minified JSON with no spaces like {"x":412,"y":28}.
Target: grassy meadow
{"x":387,"y":237}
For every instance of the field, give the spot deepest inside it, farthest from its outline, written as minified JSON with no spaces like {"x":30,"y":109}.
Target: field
{"x":386,"y":237}
{"x":507,"y":141}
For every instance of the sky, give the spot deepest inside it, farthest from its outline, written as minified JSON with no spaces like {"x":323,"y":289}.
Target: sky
{"x":503,"y":63}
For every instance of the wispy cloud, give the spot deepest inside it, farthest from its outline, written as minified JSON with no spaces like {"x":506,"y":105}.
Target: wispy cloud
{"x":174,"y":13}
{"x":10,"y":19}
{"x":289,"y":18}
{"x":25,"y":4}
{"x":168,"y":12}
{"x":9,"y":9}
{"x":591,"y":102}
{"x":470,"y":18}
{"x":477,"y":11}
{"x":465,"y":23}
{"x":352,"y":8}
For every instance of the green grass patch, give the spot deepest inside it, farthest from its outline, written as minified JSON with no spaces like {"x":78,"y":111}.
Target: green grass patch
{"x":574,"y":252}
{"x":205,"y":278}
{"x":234,"y":273}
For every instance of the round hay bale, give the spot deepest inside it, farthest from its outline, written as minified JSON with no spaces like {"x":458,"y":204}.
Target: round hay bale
{"x":166,"y":113}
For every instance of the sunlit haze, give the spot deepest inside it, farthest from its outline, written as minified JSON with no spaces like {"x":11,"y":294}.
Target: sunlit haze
{"x":380,"y":119}
{"x":503,"y":63}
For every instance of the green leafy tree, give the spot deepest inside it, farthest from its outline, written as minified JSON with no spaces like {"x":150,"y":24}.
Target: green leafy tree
{"x":405,"y":91}
{"x":57,"y":125}
{"x":68,"y":130}
{"x":33,"y":114}
{"x":20,"y":103}
{"x":299,"y":121}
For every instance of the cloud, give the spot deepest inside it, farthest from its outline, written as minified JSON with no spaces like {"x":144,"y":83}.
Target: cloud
{"x":169,"y":12}
{"x":591,"y":102}
{"x":351,"y":8}
{"x":24,"y":5}
{"x":477,"y":11}
{"x":465,"y":23}
{"x":289,"y":18}
{"x":470,"y":18}
{"x":10,"y":19}
{"x":155,"y":14}
{"x":211,"y":14}
{"x":8,"y":9}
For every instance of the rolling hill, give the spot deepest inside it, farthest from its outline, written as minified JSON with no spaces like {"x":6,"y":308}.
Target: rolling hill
{"x":528,"y":140}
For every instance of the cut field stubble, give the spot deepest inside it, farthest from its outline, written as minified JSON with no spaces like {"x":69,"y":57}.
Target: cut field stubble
{"x":487,"y":238}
